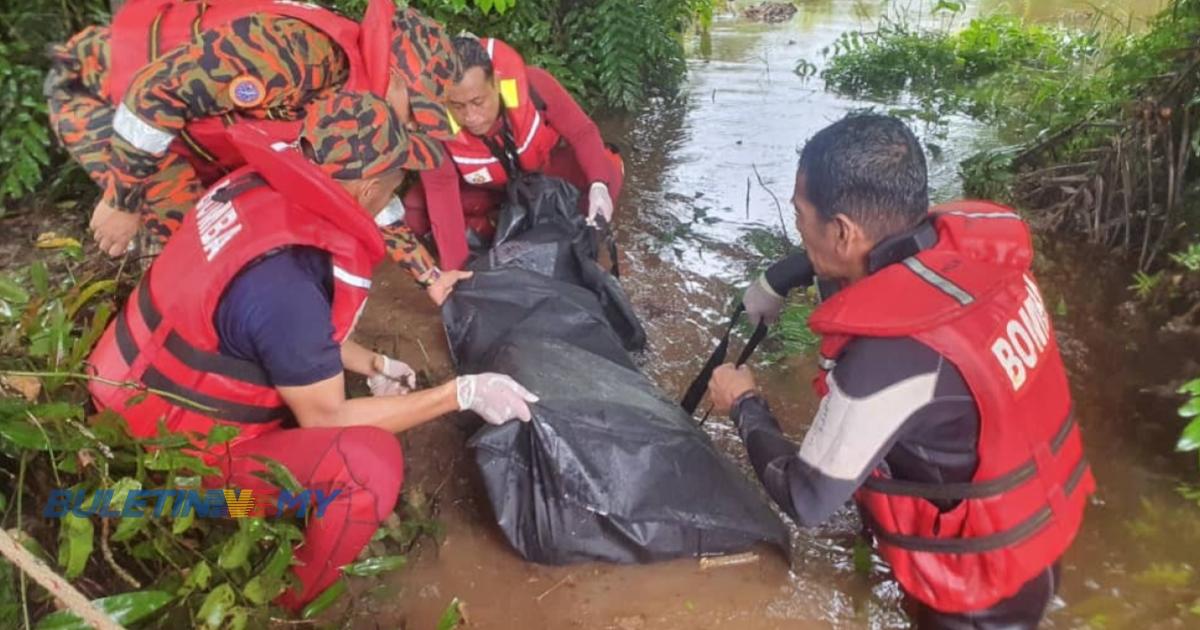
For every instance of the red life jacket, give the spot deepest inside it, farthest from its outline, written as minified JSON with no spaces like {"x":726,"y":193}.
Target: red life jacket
{"x":144,"y":30}
{"x":164,"y":338}
{"x":524,"y":132}
{"x":971,"y":297}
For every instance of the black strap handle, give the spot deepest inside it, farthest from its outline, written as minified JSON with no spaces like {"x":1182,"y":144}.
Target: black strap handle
{"x":695,"y":392}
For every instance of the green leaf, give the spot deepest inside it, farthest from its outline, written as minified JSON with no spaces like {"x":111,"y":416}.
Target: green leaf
{"x":862,"y":557}
{"x":169,"y":461}
{"x":121,"y":491}
{"x":75,"y":542}
{"x":324,"y":600}
{"x":197,"y":578}
{"x":452,"y":618}
{"x":1190,"y":409}
{"x":238,"y":619}
{"x":374,"y":566}
{"x":184,"y":522}
{"x":23,"y":435}
{"x":1191,"y":387}
{"x":1189,"y":440}
{"x":235,"y":553}
{"x":127,"y":528}
{"x":89,"y":292}
{"x":124,"y":609}
{"x":10,"y":291}
{"x":39,"y":277}
{"x":216,"y":606}
{"x":221,"y":433}
{"x":279,"y":475}
{"x":267,"y":585}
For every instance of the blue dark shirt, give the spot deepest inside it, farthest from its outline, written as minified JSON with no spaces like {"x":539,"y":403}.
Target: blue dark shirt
{"x":278,"y":313}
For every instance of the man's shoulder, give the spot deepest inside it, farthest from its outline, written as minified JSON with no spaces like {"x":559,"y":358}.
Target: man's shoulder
{"x":871,"y":364}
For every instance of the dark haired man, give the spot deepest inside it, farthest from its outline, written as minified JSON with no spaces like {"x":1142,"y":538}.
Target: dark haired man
{"x":945,"y":410}
{"x":510,"y":117}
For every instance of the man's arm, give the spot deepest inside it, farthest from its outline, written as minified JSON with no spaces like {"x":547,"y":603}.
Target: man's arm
{"x":880,"y":390}
{"x":765,"y":298}
{"x":280,"y":62}
{"x":793,"y":272}
{"x":324,"y":404}
{"x":580,"y":131}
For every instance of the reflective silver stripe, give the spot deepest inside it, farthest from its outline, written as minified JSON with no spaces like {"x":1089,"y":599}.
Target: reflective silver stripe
{"x":984,"y":215}
{"x":533,"y":129}
{"x":937,"y":280}
{"x":467,"y":160}
{"x":351,"y":279}
{"x":141,"y":134}
{"x":491,"y":48}
{"x":826,"y":364}
{"x":537,"y":122}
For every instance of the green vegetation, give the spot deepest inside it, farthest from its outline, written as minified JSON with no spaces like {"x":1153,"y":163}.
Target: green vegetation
{"x":1095,"y":120}
{"x":790,"y":336}
{"x":183,"y":571}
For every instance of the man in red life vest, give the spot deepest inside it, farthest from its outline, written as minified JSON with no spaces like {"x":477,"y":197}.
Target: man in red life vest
{"x":513,"y":118}
{"x":247,"y":314}
{"x":945,"y":410}
{"x":143,"y":104}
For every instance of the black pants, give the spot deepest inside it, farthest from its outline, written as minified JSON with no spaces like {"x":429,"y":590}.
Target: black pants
{"x":1022,"y":611}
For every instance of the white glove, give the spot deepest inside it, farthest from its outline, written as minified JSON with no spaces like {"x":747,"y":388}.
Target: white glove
{"x":495,"y":397}
{"x":762,"y":303}
{"x":600,"y":203}
{"x":394,"y":378}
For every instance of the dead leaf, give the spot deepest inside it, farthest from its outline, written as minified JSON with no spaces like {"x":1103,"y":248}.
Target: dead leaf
{"x":27,"y":386}
{"x":52,"y":240}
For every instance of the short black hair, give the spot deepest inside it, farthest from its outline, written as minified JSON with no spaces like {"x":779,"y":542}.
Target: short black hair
{"x":870,"y":168}
{"x":472,"y":54}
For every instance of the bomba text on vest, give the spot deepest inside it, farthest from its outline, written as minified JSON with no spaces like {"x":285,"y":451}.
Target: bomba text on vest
{"x":1023,"y":340}
{"x":217,"y":223}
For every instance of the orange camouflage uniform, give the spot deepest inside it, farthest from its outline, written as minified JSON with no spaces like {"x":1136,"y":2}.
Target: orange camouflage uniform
{"x":295,"y":62}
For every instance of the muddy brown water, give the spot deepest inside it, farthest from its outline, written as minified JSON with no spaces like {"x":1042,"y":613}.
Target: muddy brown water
{"x":684,"y":229}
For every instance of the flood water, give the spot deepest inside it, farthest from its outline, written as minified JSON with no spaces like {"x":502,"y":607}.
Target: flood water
{"x":692,"y":207}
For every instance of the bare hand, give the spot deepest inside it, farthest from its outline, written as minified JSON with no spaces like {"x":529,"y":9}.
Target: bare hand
{"x":444,"y":285}
{"x":728,"y":384}
{"x":113,"y":229}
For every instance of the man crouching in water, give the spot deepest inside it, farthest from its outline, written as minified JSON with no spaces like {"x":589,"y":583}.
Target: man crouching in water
{"x":945,"y":410}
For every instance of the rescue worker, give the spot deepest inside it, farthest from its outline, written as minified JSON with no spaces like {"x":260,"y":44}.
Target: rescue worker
{"x":244,"y":321}
{"x":945,"y":410}
{"x":143,"y":104}
{"x":513,"y":118}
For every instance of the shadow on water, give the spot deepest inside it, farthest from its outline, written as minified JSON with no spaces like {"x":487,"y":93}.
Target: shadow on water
{"x":691,"y":212}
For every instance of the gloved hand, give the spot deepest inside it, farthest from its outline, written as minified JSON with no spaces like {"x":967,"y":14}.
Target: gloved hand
{"x":762,"y":303}
{"x":391,"y":378}
{"x":495,"y":397}
{"x":600,"y":203}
